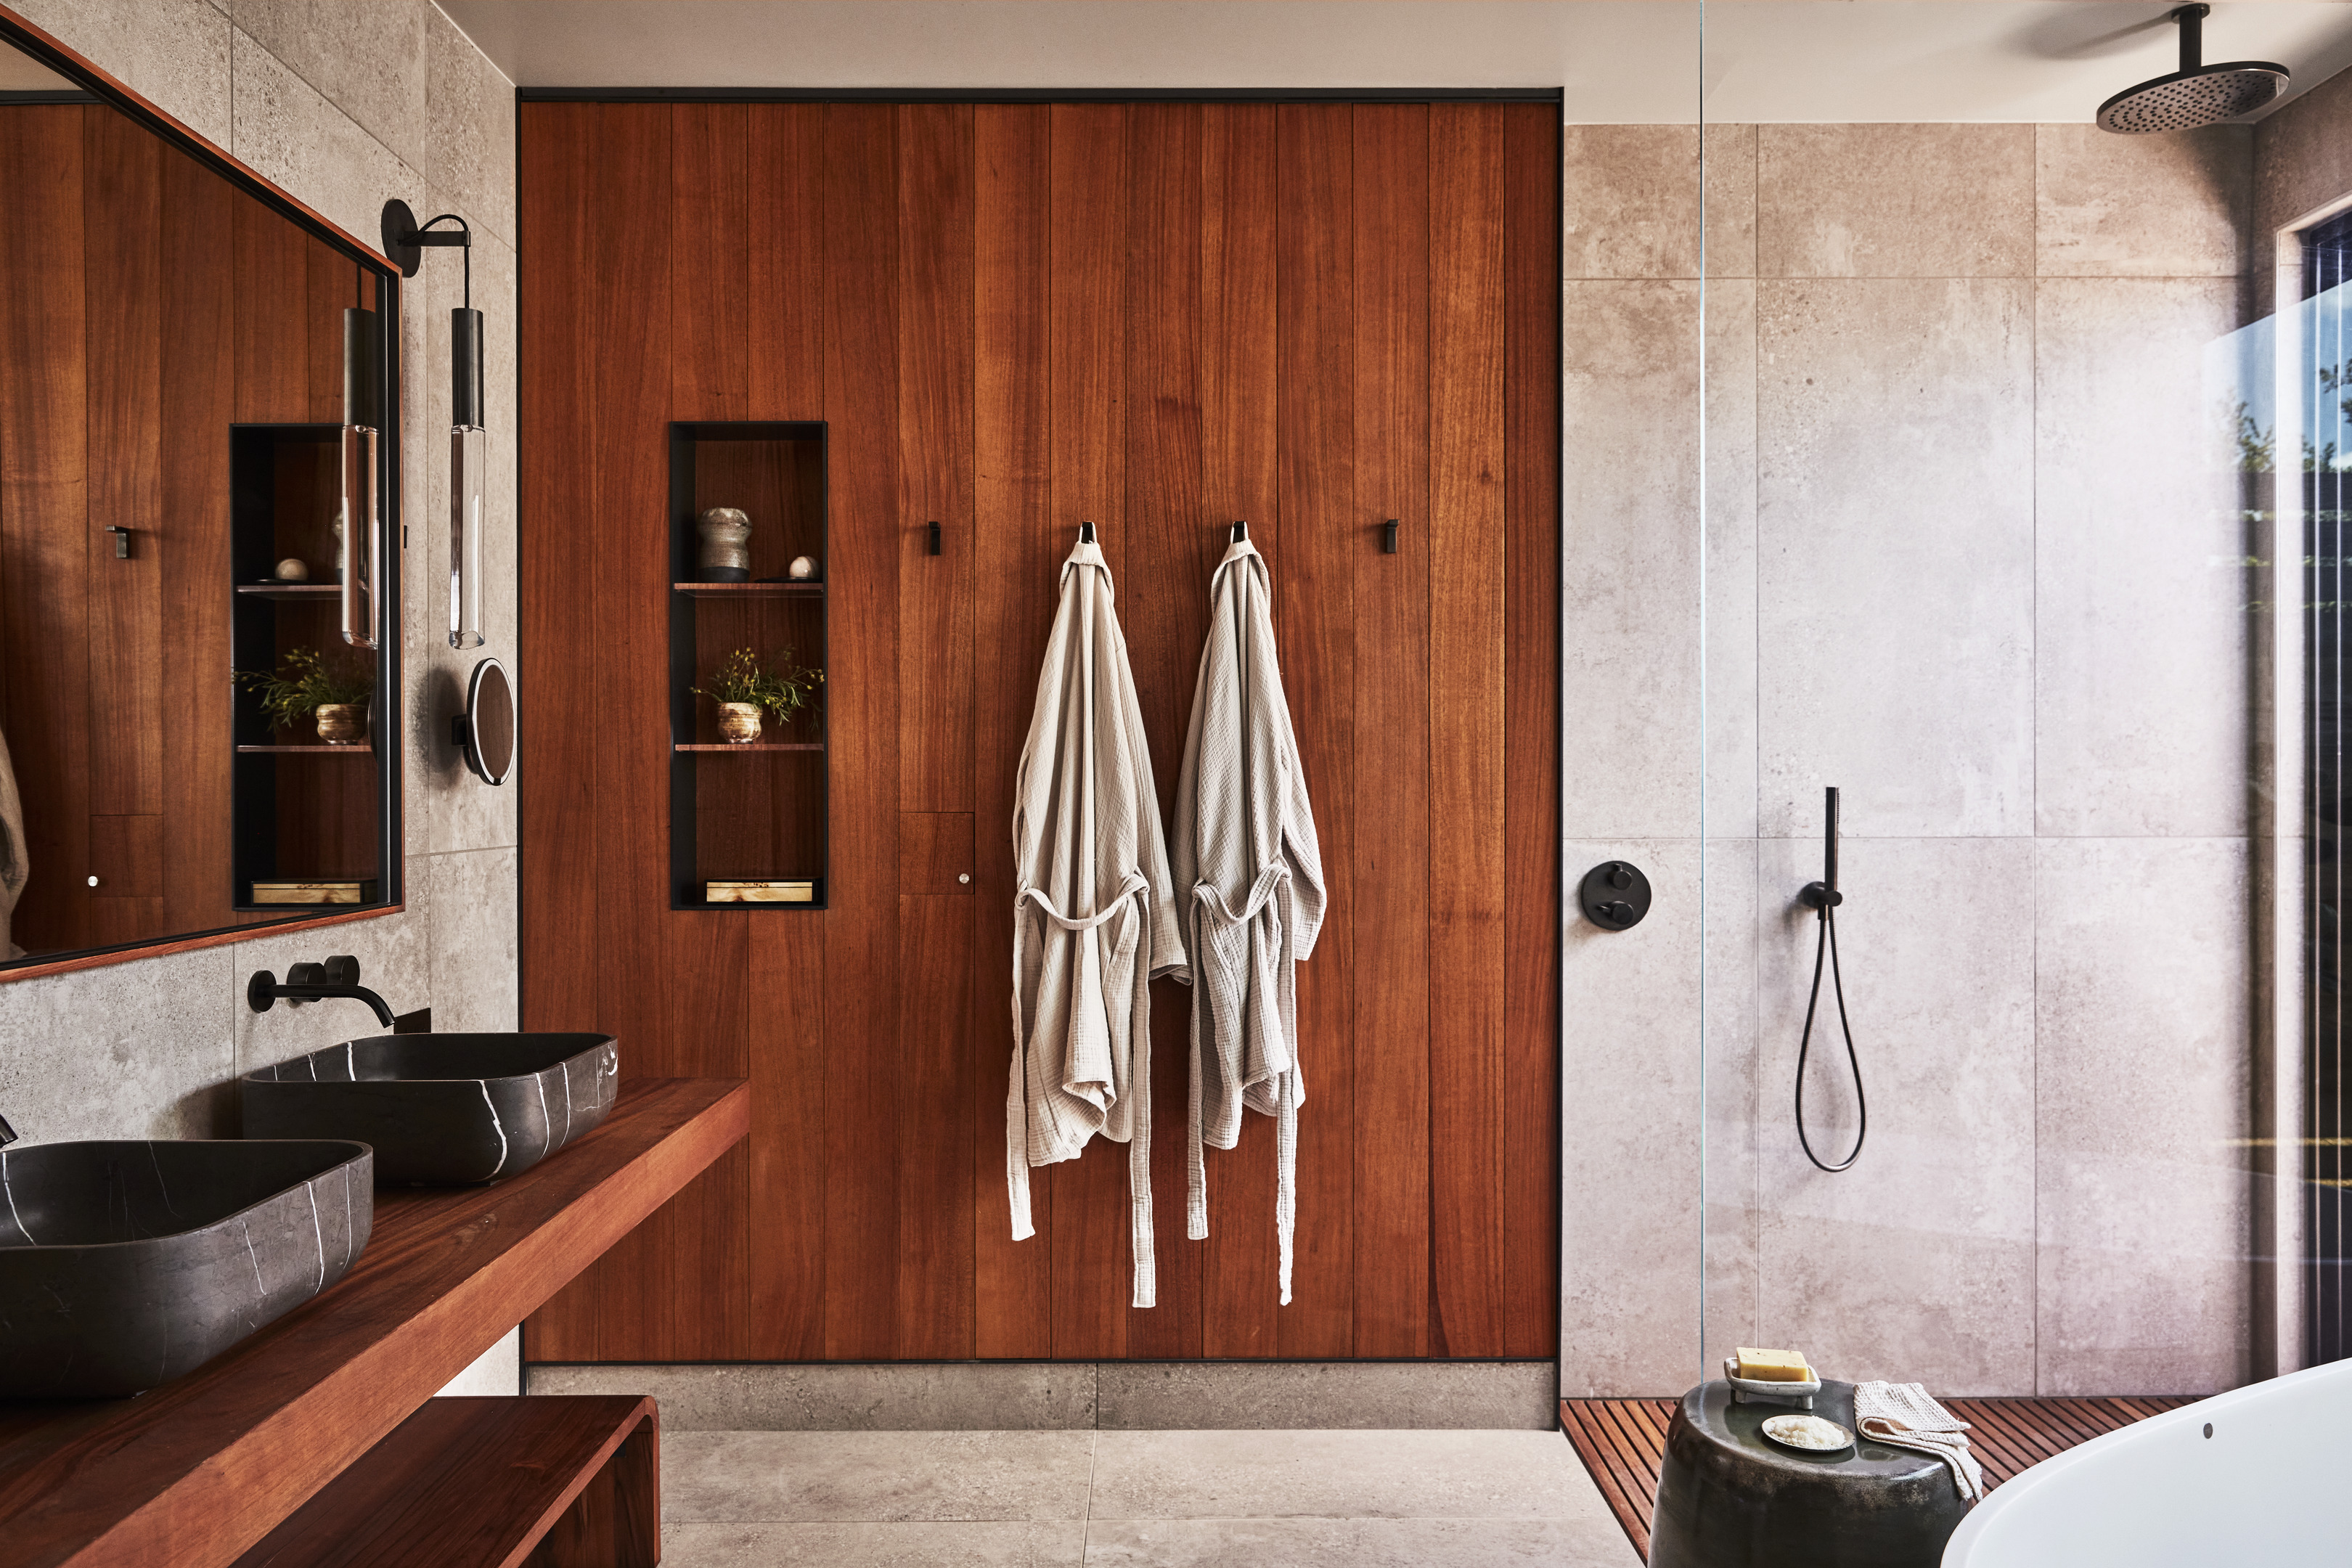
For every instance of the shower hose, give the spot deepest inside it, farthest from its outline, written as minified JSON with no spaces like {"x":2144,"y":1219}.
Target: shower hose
{"x":1826,"y":949}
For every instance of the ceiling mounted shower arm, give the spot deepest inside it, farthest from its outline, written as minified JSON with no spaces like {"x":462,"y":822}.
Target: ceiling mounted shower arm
{"x":2191,"y":20}
{"x":2197,"y":95}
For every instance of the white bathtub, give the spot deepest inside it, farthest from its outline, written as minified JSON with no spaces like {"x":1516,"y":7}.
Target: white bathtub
{"x":2266,"y":1486}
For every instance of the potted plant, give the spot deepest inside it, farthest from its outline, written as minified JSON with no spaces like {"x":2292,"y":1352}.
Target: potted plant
{"x":305,"y":688}
{"x":742,"y":687}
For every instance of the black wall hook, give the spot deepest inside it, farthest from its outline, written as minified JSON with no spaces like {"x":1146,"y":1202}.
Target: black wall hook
{"x":1388,"y":537}
{"x":935,"y":537}
{"x":1241,"y":532}
{"x":1085,"y":534}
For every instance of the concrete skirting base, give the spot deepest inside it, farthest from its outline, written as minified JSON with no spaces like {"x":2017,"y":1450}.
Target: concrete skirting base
{"x":904,"y":1396}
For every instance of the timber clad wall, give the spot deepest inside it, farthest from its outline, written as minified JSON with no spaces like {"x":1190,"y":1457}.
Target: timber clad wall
{"x":1160,"y":318}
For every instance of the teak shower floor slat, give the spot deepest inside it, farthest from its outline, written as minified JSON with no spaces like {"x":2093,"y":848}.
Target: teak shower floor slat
{"x":1623,"y":1442}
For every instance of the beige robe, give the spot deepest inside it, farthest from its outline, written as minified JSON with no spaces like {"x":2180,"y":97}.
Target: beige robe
{"x":1251,"y":873}
{"x":1094,"y":918}
{"x":14,"y":865}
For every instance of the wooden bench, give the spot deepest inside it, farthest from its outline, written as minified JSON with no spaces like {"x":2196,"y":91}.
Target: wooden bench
{"x":557,"y":1481}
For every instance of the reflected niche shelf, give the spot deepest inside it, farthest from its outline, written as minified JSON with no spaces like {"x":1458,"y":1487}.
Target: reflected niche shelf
{"x":748,"y":822}
{"x":307,"y":816}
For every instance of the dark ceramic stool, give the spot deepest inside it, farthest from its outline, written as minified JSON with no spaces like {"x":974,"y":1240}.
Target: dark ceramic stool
{"x":1729,"y":1497}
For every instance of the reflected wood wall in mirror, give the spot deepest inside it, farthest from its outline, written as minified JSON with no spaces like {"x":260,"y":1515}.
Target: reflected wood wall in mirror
{"x":172,"y":420}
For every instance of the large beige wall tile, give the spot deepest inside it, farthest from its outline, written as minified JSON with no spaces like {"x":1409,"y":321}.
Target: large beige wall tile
{"x":2142,"y":207}
{"x":471,"y":895}
{"x":1630,"y":1250}
{"x":132,"y":1050}
{"x":1917,"y":1264}
{"x":295,"y":138}
{"x":1630,"y":201}
{"x":1895,"y":554}
{"x":2302,"y":163}
{"x":173,"y":53}
{"x":2142,"y":1103}
{"x":2140,"y":608}
{"x":1735,"y":1098}
{"x":1729,"y":596}
{"x":1895,"y":201}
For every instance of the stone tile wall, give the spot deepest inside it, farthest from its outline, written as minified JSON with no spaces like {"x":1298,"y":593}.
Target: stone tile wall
{"x":1970,"y":554}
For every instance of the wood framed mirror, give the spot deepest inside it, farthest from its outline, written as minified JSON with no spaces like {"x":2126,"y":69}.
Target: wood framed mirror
{"x":200,"y":725}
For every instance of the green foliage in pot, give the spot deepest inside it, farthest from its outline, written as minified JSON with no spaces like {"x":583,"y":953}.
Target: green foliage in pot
{"x":782,"y":691}
{"x":305,"y":683}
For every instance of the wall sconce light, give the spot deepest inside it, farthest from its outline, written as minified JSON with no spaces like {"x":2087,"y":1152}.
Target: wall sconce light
{"x":361,"y":520}
{"x":469,"y":442}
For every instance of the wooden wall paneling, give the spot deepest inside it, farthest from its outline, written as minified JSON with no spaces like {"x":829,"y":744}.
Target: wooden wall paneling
{"x":1532,"y":894}
{"x":1467,"y":1085}
{"x":710,"y":265}
{"x":335,"y":285}
{"x":863,"y":1083}
{"x":1240,"y":191}
{"x":1017,"y":546}
{"x":122,"y":294}
{"x":1087,"y":349}
{"x":934,"y":429}
{"x":1389,"y":914}
{"x":1172,"y":546}
{"x":639,"y":1280}
{"x":44,"y":512}
{"x":197,"y":376}
{"x":789,"y":984}
{"x":935,"y":856}
{"x":1315,"y":623}
{"x":273,"y":293}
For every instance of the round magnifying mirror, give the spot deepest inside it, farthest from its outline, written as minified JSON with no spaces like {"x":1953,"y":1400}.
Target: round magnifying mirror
{"x":485,"y":732}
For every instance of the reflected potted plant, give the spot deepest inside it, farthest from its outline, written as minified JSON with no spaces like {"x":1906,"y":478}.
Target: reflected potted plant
{"x":742,"y":687}
{"x":305,"y":687}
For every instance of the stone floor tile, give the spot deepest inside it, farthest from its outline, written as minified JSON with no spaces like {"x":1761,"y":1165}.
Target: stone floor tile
{"x":994,"y":1544}
{"x":1358,"y":1543}
{"x":744,"y":1478}
{"x":1230,"y":1475}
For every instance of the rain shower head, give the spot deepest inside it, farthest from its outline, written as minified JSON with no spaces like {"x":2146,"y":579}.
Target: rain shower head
{"x":2196,"y":94}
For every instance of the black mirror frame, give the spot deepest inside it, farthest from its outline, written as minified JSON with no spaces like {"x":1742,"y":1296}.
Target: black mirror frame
{"x":106,"y":89}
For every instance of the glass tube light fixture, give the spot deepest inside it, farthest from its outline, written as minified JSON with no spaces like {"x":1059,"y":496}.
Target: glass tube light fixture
{"x":360,"y":521}
{"x":404,"y":240}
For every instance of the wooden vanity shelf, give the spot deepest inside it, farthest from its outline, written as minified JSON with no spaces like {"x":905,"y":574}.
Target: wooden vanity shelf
{"x":198,"y":1471}
{"x":297,"y":815}
{"x":763,"y":816}
{"x":568,"y":1480}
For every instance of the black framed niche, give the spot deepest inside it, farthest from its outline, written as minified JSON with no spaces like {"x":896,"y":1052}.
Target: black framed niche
{"x":315,"y":823}
{"x":749,"y":822}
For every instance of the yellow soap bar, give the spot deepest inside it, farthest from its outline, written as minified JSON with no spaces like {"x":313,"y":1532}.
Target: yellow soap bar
{"x":1773,"y":1366}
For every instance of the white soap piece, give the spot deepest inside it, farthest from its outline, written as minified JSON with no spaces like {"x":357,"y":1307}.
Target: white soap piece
{"x":1809,"y":1432}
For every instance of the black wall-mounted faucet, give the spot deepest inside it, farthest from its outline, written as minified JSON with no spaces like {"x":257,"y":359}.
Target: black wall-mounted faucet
{"x":8,"y":1133}
{"x":339,"y":977}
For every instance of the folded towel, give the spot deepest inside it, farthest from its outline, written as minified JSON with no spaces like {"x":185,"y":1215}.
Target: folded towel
{"x":1907,"y":1416}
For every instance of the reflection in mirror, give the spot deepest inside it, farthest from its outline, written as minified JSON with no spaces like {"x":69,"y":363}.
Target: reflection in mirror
{"x":486,"y":729}
{"x":188,"y":743}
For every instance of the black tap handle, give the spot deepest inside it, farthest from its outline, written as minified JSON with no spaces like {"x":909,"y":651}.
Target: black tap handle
{"x":341,"y":970}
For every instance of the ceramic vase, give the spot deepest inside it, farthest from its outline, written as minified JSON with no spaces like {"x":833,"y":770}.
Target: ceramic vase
{"x":342,"y":723}
{"x":726,"y":552}
{"x":739,"y":721}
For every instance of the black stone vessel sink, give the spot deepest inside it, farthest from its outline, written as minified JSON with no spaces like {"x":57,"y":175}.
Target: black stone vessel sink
{"x":441,"y":1110}
{"x":123,"y":1265}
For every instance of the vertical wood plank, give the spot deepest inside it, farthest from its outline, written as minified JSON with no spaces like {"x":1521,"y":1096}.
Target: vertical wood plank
{"x":935,"y":446}
{"x":273,"y":295}
{"x":1016,"y":544}
{"x":1172,"y":547}
{"x":1087,"y":352}
{"x":710,"y":264}
{"x":863,"y":1081}
{"x":123,"y":290}
{"x":934,"y":712}
{"x":1466,"y":636}
{"x":640,"y":1278}
{"x":196,"y":375}
{"x":1240,"y":194}
{"x":786,"y":1149}
{"x":1531,"y":1193}
{"x":44,"y":513}
{"x":1388,"y":915}
{"x":1316,"y":629}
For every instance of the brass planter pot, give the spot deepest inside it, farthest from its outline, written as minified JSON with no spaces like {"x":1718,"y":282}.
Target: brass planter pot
{"x":739,"y":721}
{"x":342,"y":723}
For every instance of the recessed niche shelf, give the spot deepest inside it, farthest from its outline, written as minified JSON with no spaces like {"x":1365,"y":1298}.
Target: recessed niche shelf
{"x":751,"y":590}
{"x":763,"y":816}
{"x":301,"y":811}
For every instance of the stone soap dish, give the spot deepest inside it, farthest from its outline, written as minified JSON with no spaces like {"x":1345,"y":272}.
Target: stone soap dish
{"x":1757,"y":1391}
{"x":441,"y":1110}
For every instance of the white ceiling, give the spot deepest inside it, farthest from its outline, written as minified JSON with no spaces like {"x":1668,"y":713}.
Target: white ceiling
{"x":1617,"y":60}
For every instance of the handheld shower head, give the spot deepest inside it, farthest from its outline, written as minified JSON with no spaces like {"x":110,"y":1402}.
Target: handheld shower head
{"x":2196,"y":94}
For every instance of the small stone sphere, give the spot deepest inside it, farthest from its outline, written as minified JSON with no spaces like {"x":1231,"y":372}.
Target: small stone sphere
{"x":292,"y":571}
{"x":803,"y":568}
